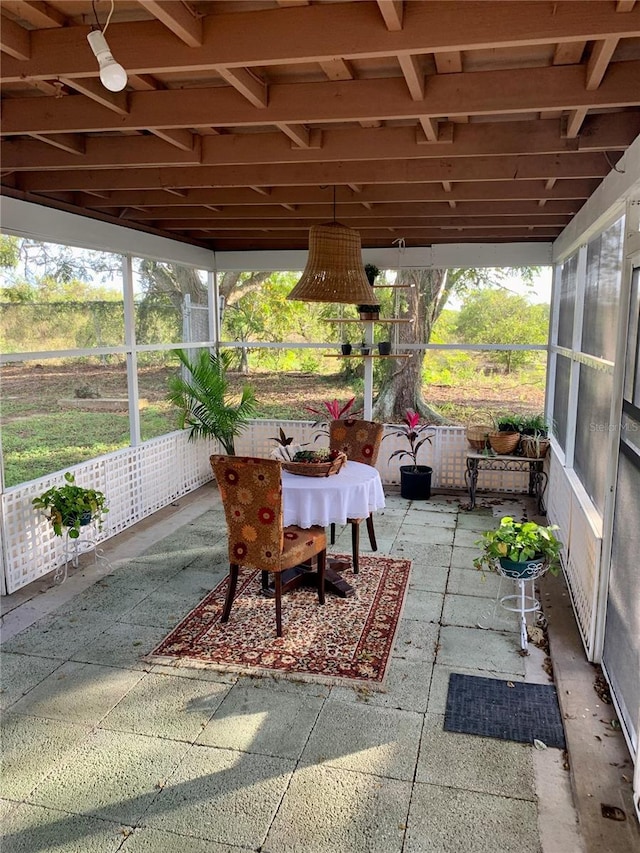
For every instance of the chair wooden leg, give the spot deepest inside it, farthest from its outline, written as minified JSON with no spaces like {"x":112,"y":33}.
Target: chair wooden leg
{"x":372,"y":533}
{"x":265,"y":580}
{"x":322,"y":562}
{"x":231,"y":591}
{"x":278,"y":580}
{"x":355,"y":545}
{"x":333,"y":533}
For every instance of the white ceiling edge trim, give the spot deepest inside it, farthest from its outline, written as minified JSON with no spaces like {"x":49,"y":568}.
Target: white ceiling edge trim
{"x":605,"y":205}
{"x":38,"y":222}
{"x":452,"y":255}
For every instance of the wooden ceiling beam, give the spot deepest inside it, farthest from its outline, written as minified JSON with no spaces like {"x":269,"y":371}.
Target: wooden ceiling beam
{"x":537,"y":166}
{"x":182,"y":139}
{"x":540,"y":220}
{"x":426,"y":234}
{"x":116,"y":102}
{"x":392,"y":12}
{"x":599,"y":62}
{"x":574,"y":122}
{"x":178,"y":17}
{"x":449,"y":62}
{"x":625,"y":5}
{"x":337,"y":69}
{"x":348,"y":30}
{"x":71,"y":143}
{"x":413,"y":75}
{"x":248,"y":84}
{"x":15,"y":41}
{"x":41,"y":16}
{"x":569,"y":52}
{"x":566,"y":191}
{"x":512,"y":92}
{"x":609,"y":132}
{"x":376,"y":214}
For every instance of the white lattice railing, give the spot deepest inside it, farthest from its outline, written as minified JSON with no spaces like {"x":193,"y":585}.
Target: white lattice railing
{"x":138,"y":481}
{"x":580,"y":530}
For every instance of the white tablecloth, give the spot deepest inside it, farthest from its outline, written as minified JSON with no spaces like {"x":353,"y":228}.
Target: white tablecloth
{"x":352,"y":493}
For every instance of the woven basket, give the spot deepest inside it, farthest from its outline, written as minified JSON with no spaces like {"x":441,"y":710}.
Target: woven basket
{"x":477,"y":436}
{"x":316,"y":469}
{"x":504,"y":443}
{"x":534,"y":448}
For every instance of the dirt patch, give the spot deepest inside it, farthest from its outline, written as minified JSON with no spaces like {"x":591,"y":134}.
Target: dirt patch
{"x":31,"y":388}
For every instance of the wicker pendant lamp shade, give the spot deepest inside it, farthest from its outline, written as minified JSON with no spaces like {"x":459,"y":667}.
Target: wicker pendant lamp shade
{"x":334,"y":270}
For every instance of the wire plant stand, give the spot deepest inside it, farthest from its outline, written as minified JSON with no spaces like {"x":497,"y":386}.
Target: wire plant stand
{"x":86,"y":543}
{"x":522,"y":602}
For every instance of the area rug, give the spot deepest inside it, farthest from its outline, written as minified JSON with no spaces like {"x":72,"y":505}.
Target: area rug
{"x":509,"y":710}
{"x":348,"y":640}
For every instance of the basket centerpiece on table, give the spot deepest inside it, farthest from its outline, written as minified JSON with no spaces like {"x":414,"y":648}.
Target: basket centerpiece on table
{"x":315,"y":463}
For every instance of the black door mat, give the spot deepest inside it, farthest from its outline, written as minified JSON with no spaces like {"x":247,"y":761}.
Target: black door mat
{"x":509,"y":710}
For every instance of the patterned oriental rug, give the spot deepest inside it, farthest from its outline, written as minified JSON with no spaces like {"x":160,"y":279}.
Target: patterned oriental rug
{"x":348,"y":640}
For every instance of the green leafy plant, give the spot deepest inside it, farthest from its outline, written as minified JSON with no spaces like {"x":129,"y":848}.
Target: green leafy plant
{"x":204,"y":400}
{"x":71,"y":506}
{"x":372,"y":272}
{"x":535,"y":425}
{"x":519,"y":541}
{"x":415,"y":433}
{"x":508,"y":423}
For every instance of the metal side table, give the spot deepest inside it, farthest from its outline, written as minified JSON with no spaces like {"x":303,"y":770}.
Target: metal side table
{"x":477,"y":462}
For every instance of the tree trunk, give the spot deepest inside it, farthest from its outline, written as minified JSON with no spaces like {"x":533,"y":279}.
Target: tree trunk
{"x":401,"y":389}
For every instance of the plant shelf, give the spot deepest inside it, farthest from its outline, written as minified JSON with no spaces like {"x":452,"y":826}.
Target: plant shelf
{"x":371,"y":355}
{"x":379,"y":320}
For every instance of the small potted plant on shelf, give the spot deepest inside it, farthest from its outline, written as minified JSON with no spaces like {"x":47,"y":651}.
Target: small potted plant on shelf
{"x":519,"y":549}
{"x":369,"y":312}
{"x":71,"y":506}
{"x":415,"y":480}
{"x":504,"y":439}
{"x":534,"y":441}
{"x":372,"y":272}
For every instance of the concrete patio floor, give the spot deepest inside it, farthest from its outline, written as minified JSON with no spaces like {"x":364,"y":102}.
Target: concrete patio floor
{"x":104,"y":752}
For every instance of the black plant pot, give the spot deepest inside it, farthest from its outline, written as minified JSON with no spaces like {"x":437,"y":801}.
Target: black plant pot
{"x":415,"y":483}
{"x":384,"y":347}
{"x":346,"y":349}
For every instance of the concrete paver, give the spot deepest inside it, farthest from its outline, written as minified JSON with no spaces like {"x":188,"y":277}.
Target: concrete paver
{"x":105,"y":751}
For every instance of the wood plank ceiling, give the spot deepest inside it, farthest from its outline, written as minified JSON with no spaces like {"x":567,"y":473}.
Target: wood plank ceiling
{"x":434,"y":121}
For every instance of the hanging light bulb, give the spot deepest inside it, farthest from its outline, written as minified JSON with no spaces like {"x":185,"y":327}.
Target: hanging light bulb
{"x":112,"y":75}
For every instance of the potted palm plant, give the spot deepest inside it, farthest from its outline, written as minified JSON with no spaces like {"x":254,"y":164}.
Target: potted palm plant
{"x":71,"y":506}
{"x":204,"y":400}
{"x":415,"y":480}
{"x":519,"y":549}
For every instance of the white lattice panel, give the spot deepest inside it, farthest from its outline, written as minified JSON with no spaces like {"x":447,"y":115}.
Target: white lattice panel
{"x":582,"y":571}
{"x":558,"y":500}
{"x":138,"y":481}
{"x":583,"y":545}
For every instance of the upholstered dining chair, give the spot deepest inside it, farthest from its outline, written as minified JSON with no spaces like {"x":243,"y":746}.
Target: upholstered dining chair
{"x":360,"y":440}
{"x":251,"y":491}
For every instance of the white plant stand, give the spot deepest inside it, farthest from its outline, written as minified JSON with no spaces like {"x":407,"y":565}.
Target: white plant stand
{"x":522,"y":602}
{"x":86,"y":543}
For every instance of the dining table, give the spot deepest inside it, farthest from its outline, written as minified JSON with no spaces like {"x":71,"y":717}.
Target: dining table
{"x":354,"y":492}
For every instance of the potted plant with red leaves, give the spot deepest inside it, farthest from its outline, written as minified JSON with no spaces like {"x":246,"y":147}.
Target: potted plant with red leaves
{"x":335,"y":411}
{"x":415,"y":480}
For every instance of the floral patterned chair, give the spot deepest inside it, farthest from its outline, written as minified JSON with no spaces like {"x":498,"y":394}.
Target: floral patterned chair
{"x":251,"y":491}
{"x":360,"y":440}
